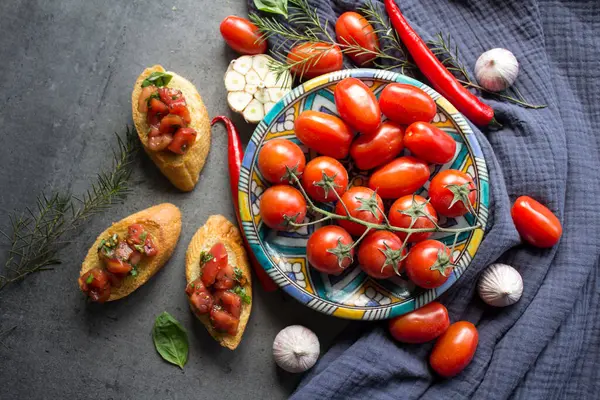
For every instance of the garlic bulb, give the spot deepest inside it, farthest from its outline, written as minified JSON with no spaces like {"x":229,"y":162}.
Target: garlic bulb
{"x":253,"y":88}
{"x":500,"y":285}
{"x":296,"y":348}
{"x":496,"y":69}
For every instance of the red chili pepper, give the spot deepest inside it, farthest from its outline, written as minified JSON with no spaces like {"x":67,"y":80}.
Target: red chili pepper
{"x":235,"y":156}
{"x":442,"y":80}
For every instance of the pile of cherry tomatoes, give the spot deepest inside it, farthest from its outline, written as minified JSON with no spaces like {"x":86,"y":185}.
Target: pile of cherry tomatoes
{"x":381,"y":252}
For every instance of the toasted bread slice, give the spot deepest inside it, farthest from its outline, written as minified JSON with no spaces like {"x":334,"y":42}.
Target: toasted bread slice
{"x":182,"y":170}
{"x":163,"y":222}
{"x":219,"y":229}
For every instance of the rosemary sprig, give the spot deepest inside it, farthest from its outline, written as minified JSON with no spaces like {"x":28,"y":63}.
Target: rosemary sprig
{"x":37,"y":235}
{"x":447,"y":52}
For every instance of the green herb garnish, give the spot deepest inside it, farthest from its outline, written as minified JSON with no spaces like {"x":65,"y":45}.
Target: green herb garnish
{"x":134,"y":271}
{"x":154,"y":95}
{"x":101,"y":245}
{"x":205,"y":257}
{"x":158,"y":79}
{"x":170,"y":339}
{"x":240,"y":291}
{"x":89,"y":279}
{"x":238,"y":274}
{"x":273,"y":6}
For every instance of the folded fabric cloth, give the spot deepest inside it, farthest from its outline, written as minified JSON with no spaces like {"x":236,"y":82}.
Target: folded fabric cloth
{"x":547,"y":346}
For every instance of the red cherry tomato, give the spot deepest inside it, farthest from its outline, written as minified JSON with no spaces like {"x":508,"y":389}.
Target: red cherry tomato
{"x":222,"y":321}
{"x":320,"y":244}
{"x":429,"y":143}
{"x":353,"y":29}
{"x":242,"y":36}
{"x":353,"y":199}
{"x":406,"y":104}
{"x":441,"y":195}
{"x":378,"y":252}
{"x":324,"y":168}
{"x":280,"y":201}
{"x":357,"y":105}
{"x":400,"y":177}
{"x":183,"y":139}
{"x":326,"y":134}
{"x":536,"y":224}
{"x":378,"y":148}
{"x":425,"y":262}
{"x":200,"y":297}
{"x":397,"y":218}
{"x":276,"y":156}
{"x":324,"y":58}
{"x":421,"y":325}
{"x":210,"y":269}
{"x":455,"y":349}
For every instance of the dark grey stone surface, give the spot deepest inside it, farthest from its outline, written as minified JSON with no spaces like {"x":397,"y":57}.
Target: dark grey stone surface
{"x":67,"y":70}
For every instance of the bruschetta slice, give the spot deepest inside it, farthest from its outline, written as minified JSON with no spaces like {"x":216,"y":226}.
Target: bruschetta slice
{"x":130,"y":252}
{"x":172,"y":124}
{"x":219,"y":285}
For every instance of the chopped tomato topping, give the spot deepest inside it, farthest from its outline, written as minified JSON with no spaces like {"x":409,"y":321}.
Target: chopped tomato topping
{"x":171,"y":96}
{"x":229,"y":301}
{"x":117,"y":266}
{"x":134,"y":234}
{"x":114,"y":279}
{"x":170,"y":124}
{"x":158,"y":143}
{"x":225,"y":278}
{"x":182,"y":111}
{"x":210,"y":269}
{"x":123,"y":251}
{"x":184,"y":138}
{"x":153,"y":132}
{"x":144,"y":96}
{"x":200,"y":298}
{"x":135,"y":257}
{"x":95,"y":283}
{"x":223,"y":321}
{"x":149,"y":248}
{"x":156,"y":111}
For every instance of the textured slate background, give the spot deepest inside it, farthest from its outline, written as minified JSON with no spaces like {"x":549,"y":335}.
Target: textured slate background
{"x":67,"y":71}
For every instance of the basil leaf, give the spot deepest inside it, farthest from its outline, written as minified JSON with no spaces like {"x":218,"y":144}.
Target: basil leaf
{"x":158,"y":79}
{"x":170,"y":339}
{"x":240,"y":291}
{"x":273,"y":6}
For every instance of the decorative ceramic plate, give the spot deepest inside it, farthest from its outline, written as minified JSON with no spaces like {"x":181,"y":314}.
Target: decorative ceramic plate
{"x":353,"y":294}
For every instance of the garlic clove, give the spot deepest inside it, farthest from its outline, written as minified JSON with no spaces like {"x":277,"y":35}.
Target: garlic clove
{"x":496,"y":69}
{"x":500,"y":285}
{"x":234,"y":81}
{"x":296,"y":348}
{"x":254,"y":112}
{"x":238,"y":100}
{"x":242,"y":64}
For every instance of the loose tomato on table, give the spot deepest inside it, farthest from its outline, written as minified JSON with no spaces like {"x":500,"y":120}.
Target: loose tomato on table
{"x":455,"y":349}
{"x":277,"y":156}
{"x":242,"y":36}
{"x":280,"y":204}
{"x":329,"y":249}
{"x":352,"y":29}
{"x":449,"y":190}
{"x":380,"y":254}
{"x":378,"y":148}
{"x":429,"y":143}
{"x":429,"y":264}
{"x":409,"y":207}
{"x":536,"y":224}
{"x":323,"y":58}
{"x":406,"y":104}
{"x":324,"y":169}
{"x":325,"y":133}
{"x":183,"y":139}
{"x":421,"y":325}
{"x":362,"y":203}
{"x":357,"y":105}
{"x":399,"y":177}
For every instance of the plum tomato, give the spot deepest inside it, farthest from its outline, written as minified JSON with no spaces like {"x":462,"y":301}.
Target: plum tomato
{"x":243,"y":36}
{"x":380,"y":254}
{"x":449,"y":185}
{"x":322,"y":170}
{"x":406,"y":104}
{"x":217,"y":259}
{"x":400,"y":177}
{"x":276,"y":156}
{"x":362,"y":203}
{"x":353,"y":29}
{"x":325,"y":133}
{"x":183,"y":139}
{"x":422,"y":325}
{"x":429,"y":143}
{"x":428,"y":264}
{"x":325,"y":57}
{"x":280,"y":204}
{"x":357,"y":105}
{"x":378,"y":148}
{"x":408,"y":207}
{"x":536,"y":224}
{"x":455,"y":349}
{"x":329,"y":249}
